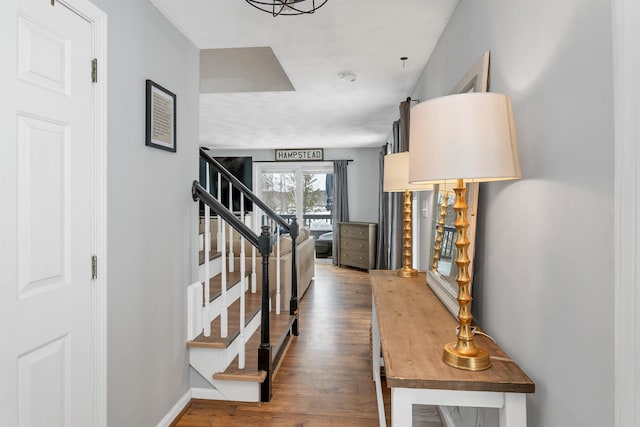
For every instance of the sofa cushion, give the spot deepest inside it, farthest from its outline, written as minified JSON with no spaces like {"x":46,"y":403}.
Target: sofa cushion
{"x":302,"y":235}
{"x":285,"y":239}
{"x":285,"y":244}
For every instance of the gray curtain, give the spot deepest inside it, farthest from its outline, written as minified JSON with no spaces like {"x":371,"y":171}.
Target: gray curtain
{"x":391,"y":212}
{"x":405,"y":119}
{"x":382,"y":245}
{"x":340,"y":202}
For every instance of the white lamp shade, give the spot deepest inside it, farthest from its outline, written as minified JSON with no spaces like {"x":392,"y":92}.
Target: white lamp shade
{"x":469,"y":136}
{"x":396,"y":174}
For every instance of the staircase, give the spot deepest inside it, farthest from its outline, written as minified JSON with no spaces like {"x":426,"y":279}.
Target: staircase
{"x":236,"y":338}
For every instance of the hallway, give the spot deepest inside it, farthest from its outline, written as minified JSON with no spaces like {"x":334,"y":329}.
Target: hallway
{"x":325,"y":378}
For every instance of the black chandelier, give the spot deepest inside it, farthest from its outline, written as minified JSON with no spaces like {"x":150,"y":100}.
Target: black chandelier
{"x":287,"y":7}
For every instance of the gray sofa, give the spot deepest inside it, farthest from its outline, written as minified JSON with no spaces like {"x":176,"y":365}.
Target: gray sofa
{"x":305,"y":257}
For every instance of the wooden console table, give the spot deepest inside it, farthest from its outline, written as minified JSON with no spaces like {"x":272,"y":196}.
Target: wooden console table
{"x":413,"y":326}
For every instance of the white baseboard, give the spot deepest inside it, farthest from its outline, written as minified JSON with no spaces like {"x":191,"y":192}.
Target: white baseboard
{"x":206,"y":394}
{"x":175,"y":410}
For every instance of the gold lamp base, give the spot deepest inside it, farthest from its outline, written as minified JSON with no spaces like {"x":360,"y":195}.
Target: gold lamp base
{"x":464,"y":354}
{"x":407,"y":272}
{"x":471,"y":362}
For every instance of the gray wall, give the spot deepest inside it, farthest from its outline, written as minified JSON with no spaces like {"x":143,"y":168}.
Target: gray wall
{"x":543,"y":283}
{"x":150,"y":215}
{"x":363,"y":175}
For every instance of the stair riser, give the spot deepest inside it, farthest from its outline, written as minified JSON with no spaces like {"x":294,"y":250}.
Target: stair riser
{"x":215,"y":267}
{"x":194,"y":310}
{"x":239,"y":391}
{"x":208,"y":361}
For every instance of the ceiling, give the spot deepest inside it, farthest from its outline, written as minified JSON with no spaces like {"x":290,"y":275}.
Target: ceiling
{"x":288,"y":94}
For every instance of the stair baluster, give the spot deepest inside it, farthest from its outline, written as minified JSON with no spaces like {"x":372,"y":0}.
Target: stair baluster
{"x":231,"y":254}
{"x":207,"y":252}
{"x":278,"y":270}
{"x":243,"y":289}
{"x":219,"y":236}
{"x":224,"y":313}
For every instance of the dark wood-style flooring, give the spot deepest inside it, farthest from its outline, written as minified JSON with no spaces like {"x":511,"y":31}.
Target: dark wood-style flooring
{"x":325,"y":379}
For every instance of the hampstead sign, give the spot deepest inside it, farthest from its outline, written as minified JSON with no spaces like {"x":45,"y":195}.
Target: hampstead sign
{"x":313,"y":154}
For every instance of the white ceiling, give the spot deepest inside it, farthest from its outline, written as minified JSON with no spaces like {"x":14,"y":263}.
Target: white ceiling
{"x":366,"y":37}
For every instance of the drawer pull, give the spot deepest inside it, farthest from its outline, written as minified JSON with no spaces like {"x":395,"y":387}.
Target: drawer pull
{"x":360,"y":245}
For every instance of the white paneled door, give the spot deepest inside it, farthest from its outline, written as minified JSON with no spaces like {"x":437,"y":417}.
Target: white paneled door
{"x":46,"y":222}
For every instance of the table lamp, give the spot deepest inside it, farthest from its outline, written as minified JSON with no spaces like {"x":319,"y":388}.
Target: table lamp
{"x":466,"y":137}
{"x":396,"y":179}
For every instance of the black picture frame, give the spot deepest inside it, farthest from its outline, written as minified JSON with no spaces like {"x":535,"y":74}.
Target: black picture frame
{"x":160,"y":129}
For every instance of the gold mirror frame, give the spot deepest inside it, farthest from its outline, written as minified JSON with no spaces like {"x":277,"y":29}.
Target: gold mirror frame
{"x":445,"y":285}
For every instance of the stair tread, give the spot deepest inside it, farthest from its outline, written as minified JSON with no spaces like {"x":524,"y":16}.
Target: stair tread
{"x":279,"y":325}
{"x":252,"y":307}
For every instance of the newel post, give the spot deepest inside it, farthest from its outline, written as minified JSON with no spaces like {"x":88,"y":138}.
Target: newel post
{"x":264,"y":350}
{"x":294,"y":229}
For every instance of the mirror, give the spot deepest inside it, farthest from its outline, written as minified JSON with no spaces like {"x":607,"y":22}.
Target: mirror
{"x":442,"y":272}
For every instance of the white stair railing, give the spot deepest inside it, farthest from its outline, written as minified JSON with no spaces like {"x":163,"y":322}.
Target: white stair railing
{"x":275,"y":224}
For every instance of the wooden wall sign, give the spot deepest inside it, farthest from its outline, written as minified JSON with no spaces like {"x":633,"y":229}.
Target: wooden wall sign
{"x":300,"y":155}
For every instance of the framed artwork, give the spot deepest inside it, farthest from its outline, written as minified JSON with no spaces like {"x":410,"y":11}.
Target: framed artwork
{"x":160,"y":118}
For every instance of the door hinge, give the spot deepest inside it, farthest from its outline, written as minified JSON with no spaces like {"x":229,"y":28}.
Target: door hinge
{"x":94,"y":267}
{"x":94,"y":70}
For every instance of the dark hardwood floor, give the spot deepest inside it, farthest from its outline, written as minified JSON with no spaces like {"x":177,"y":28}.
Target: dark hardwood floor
{"x":325,"y":378}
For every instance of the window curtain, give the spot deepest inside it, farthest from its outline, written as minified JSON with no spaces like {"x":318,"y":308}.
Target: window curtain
{"x":340,"y":202}
{"x":391,"y":211}
{"x":382,"y":245}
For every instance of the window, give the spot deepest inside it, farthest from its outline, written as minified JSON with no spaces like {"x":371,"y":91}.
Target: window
{"x":303,"y":190}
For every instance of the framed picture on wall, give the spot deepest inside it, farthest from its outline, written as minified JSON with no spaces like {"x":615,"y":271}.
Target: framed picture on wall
{"x":161,"y":118}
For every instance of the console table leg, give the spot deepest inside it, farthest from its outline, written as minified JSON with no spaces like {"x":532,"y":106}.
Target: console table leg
{"x":514,"y":411}
{"x":401,"y":408}
{"x":375,"y":356}
{"x":381,"y":415}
